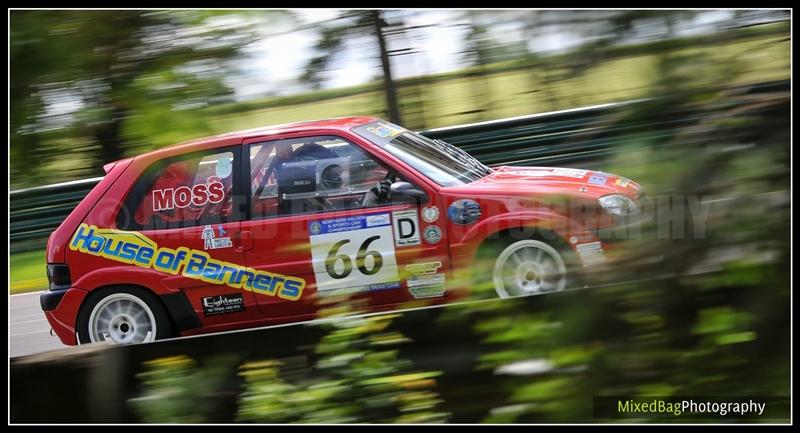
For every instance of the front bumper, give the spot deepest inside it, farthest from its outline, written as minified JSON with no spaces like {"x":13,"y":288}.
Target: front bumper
{"x":61,"y":310}
{"x":624,"y":229}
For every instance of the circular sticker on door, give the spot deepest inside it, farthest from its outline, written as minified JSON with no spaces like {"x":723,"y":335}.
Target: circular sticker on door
{"x":433,"y":234}
{"x":464,"y":211}
{"x":430,"y":214}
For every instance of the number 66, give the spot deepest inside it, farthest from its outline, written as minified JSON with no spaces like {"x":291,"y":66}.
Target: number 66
{"x":330,"y":261}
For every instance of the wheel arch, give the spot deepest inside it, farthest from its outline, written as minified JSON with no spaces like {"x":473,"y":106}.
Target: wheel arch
{"x":490,"y":249}
{"x":175,"y":304}
{"x":114,"y":276}
{"x":542,"y":225}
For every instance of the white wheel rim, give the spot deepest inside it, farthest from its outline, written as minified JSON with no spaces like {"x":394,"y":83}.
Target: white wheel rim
{"x":529,"y":267}
{"x":122,"y":318}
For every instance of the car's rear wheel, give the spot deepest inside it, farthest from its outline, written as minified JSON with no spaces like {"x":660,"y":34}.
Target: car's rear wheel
{"x":123,"y":315}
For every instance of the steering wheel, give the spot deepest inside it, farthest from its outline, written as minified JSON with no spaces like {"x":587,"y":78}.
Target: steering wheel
{"x":370,"y":199}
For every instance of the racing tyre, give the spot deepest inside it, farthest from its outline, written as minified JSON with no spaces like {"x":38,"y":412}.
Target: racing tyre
{"x":527,"y":267}
{"x":123,"y":315}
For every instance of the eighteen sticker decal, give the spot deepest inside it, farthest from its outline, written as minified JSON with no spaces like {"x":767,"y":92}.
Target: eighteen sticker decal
{"x":223,"y":304}
{"x":137,"y":249}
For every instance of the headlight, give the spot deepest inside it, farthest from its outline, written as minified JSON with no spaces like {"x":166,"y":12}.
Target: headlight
{"x":618,"y":205}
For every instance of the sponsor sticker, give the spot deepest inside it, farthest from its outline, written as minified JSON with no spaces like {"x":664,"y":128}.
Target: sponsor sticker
{"x":430,"y":214}
{"x":623,"y":182}
{"x":223,"y":304}
{"x":224,"y":167}
{"x":384,"y":130}
{"x":580,"y":238}
{"x":464,"y":211}
{"x":423,"y":268}
{"x":591,"y":253}
{"x":598,"y":179}
{"x":433,"y":234}
{"x":211,"y":242}
{"x":426,"y":286}
{"x":570,"y":172}
{"x":406,"y":228}
{"x":377,"y":220}
{"x":534,"y":173}
{"x":137,"y":249}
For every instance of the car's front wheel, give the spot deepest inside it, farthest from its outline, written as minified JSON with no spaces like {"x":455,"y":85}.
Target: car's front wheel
{"x":528,"y":267}
{"x":123,"y":315}
{"x":514,"y":267}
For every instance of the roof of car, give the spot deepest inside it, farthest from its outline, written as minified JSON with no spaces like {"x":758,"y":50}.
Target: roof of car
{"x":335,"y":123}
{"x":231,"y":138}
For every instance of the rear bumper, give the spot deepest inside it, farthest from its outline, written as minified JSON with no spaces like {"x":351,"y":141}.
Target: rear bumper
{"x":61,"y":310}
{"x":49,"y":300}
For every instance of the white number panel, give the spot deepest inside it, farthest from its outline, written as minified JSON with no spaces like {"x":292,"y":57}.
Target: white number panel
{"x":353,"y":254}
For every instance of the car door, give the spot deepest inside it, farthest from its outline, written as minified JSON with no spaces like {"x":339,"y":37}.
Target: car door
{"x":189,"y":202}
{"x":309,"y":224}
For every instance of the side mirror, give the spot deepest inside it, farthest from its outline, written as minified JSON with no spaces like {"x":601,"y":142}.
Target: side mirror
{"x":404,"y":191}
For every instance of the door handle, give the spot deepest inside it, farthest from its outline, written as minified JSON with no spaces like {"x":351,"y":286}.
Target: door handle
{"x":245,"y":241}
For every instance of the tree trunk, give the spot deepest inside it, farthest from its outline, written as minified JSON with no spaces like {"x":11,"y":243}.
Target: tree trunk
{"x":109,"y":136}
{"x":388,"y":82}
{"x":482,"y":92}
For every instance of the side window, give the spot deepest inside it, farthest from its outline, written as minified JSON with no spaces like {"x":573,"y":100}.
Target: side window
{"x":185,"y":192}
{"x":311,"y":174}
{"x":263,"y":183}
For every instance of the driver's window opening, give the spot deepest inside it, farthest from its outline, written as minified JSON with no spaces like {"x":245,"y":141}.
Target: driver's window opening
{"x":315,"y":174}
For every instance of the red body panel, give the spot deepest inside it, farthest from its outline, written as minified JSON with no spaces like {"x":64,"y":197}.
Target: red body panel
{"x":62,"y":319}
{"x":561,"y":202}
{"x":57,"y":242}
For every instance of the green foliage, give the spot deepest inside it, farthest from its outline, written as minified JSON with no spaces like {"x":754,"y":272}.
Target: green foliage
{"x":166,"y":114}
{"x":112,"y":78}
{"x":28,"y":271}
{"x":710,"y":314}
{"x":358,"y":377}
{"x":177,"y":390}
{"x":705,"y":313}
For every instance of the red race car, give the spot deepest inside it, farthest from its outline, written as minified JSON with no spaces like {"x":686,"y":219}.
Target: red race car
{"x":272,"y":225}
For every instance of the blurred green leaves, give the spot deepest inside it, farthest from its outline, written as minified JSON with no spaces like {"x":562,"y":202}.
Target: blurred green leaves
{"x":177,"y":390}
{"x":358,"y":377}
{"x":709,"y":312}
{"x":704,"y":315}
{"x":118,"y":79}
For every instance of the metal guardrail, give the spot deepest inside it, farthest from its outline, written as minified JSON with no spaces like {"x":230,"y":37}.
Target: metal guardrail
{"x":35,"y":212}
{"x":576,"y":136}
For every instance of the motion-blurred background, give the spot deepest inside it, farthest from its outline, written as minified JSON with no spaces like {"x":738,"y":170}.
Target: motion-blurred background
{"x":89,"y":87}
{"x":709,"y":313}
